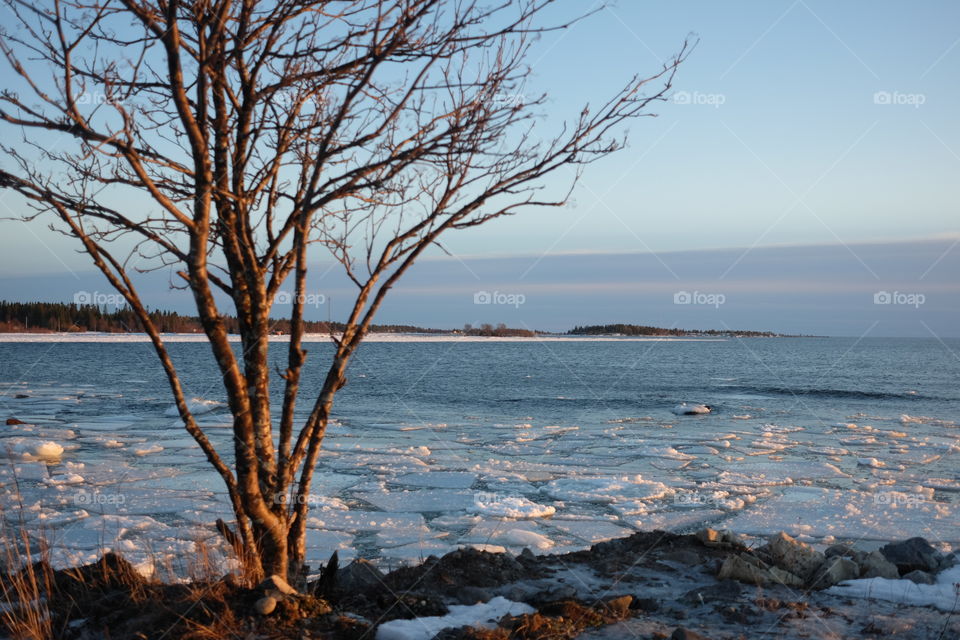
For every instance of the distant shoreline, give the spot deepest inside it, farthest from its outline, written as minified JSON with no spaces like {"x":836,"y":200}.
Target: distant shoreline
{"x":92,"y":337}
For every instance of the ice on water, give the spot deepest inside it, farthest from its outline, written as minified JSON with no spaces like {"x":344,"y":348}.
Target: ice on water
{"x":91,"y":479}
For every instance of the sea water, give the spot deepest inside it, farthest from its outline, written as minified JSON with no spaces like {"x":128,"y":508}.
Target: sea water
{"x":547,"y":444}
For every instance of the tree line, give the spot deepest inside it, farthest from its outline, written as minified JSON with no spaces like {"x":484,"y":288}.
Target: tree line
{"x":43,"y":317}
{"x":643,"y":330}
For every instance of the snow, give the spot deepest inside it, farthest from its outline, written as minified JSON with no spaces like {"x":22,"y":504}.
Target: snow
{"x":944,"y":594}
{"x":484,"y":615}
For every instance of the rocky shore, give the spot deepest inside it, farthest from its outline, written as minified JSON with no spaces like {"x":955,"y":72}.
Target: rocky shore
{"x":649,"y":585}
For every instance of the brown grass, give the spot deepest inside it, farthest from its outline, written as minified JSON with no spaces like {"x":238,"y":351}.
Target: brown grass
{"x":25,"y":586}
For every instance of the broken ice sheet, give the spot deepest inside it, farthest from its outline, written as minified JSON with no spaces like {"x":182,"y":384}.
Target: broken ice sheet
{"x":419,"y":500}
{"x":819,"y":512}
{"x":438,"y":479}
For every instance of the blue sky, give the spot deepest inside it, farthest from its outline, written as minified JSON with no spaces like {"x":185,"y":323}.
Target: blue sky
{"x":817,"y":125}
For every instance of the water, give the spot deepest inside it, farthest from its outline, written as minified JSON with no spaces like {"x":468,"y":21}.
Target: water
{"x":575,"y":441}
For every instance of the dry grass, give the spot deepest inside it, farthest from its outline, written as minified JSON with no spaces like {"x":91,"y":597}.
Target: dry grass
{"x":25,"y":586}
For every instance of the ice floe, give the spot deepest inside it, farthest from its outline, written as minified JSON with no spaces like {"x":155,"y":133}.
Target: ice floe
{"x":684,"y":409}
{"x":605,"y":489}
{"x":497,"y":505}
{"x":197,"y":406}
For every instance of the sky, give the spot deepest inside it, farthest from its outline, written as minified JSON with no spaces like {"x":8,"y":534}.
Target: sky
{"x":805,"y":161}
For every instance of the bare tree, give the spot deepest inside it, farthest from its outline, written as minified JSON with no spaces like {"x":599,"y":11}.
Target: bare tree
{"x":221,"y":139}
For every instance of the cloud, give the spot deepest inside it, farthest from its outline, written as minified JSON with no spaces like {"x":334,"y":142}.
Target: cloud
{"x":817,"y":289}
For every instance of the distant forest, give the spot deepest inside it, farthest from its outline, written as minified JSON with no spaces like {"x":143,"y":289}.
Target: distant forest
{"x":642,"y":330}
{"x":45,"y":317}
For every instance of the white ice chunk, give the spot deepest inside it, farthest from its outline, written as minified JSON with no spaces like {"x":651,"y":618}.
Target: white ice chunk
{"x":197,"y":406}
{"x":684,"y":409}
{"x":520,"y":534}
{"x":605,"y":489}
{"x":493,"y":504}
{"x":145,"y":451}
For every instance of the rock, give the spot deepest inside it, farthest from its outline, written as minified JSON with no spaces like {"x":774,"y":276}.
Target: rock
{"x":784,"y":577}
{"x":920,"y":577}
{"x":326,"y":584}
{"x":731,"y":538}
{"x":911,"y":555}
{"x":682,"y":633}
{"x":709,"y":537}
{"x":718,"y":539}
{"x":840,"y":549}
{"x":798,"y":558}
{"x":461,"y":567}
{"x":265,"y":605}
{"x":875,"y":565}
{"x":738,"y":568}
{"x":11,"y":421}
{"x":359,"y":576}
{"x":276,"y":583}
{"x":835,"y":570}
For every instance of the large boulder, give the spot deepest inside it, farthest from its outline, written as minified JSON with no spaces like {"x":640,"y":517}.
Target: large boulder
{"x":746,"y":568}
{"x":920,"y":577}
{"x":360,"y":576}
{"x":833,"y":570}
{"x":876,"y":565}
{"x":914,"y":554}
{"x":789,"y":554}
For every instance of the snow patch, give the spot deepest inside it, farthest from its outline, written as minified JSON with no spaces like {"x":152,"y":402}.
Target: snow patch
{"x":943,"y":595}
{"x":484,"y":615}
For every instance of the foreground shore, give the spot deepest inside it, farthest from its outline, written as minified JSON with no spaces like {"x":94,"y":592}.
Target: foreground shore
{"x":649,"y":585}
